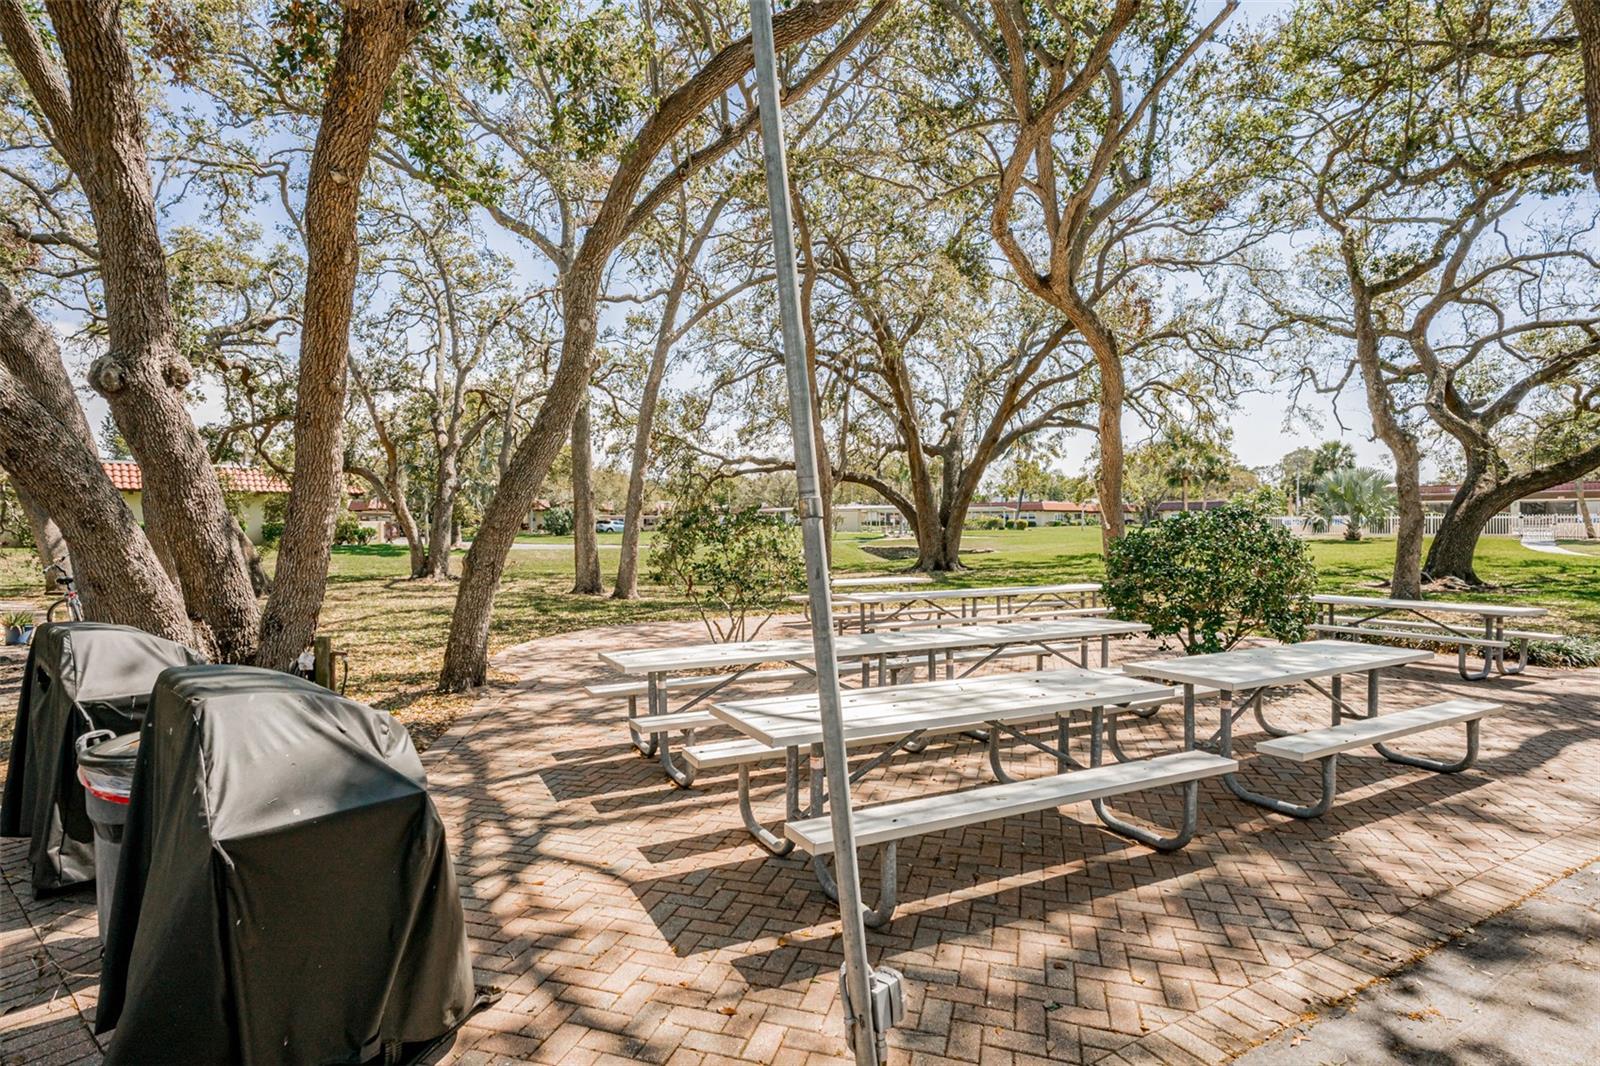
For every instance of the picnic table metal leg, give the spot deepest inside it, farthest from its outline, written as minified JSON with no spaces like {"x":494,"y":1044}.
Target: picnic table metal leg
{"x":648,"y":750}
{"x":1191,"y":801}
{"x":1330,"y":771}
{"x":1488,"y":655}
{"x":1436,"y":765}
{"x":683,"y":777}
{"x":888,"y":875}
{"x":1522,"y":659}
{"x":770,"y":841}
{"x":1105,"y":651}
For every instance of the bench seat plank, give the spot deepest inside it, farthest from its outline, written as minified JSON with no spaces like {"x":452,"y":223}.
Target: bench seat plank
{"x":646,"y":724}
{"x":1435,"y":636}
{"x":933,"y":814}
{"x":1365,"y":732}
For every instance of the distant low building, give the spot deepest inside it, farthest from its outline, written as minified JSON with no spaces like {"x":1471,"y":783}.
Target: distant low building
{"x":251,"y":487}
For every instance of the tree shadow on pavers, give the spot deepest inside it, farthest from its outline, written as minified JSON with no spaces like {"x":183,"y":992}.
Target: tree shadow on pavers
{"x":1489,"y":997}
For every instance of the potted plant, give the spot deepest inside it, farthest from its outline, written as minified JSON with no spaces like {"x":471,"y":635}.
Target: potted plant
{"x":19,"y":627}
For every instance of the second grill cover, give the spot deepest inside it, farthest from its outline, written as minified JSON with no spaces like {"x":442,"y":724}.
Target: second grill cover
{"x":287,"y":893}
{"x":80,"y":676}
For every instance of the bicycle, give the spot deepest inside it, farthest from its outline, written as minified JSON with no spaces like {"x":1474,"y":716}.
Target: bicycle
{"x":69,"y":594}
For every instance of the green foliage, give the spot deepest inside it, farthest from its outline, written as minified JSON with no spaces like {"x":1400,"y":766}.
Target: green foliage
{"x":1362,"y":496}
{"x":271,"y":533}
{"x":1263,"y":499}
{"x":557,"y":521}
{"x":1211,"y":577}
{"x":349,"y":530}
{"x":733,"y":563}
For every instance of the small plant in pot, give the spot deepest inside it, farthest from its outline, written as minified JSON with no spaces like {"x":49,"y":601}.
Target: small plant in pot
{"x":19,"y":627}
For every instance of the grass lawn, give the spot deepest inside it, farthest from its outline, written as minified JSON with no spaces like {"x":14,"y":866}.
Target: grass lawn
{"x":394,"y":629}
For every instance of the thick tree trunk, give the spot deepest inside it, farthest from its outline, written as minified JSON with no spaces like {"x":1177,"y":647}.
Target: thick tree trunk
{"x":466,"y":659}
{"x":1583,"y":508}
{"x":442,"y":516}
{"x":95,"y":112}
{"x":1450,"y":554}
{"x":1113,"y":393}
{"x":585,"y":548}
{"x":117,"y":571}
{"x":375,"y":34}
{"x":1586,"y":14}
{"x":627,"y":585}
{"x":1405,"y":581}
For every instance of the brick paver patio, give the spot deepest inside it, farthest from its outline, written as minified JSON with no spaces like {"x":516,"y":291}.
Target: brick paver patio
{"x":628,"y":920}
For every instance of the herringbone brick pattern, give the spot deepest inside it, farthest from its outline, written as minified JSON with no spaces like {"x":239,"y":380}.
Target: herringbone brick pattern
{"x":629,"y":920}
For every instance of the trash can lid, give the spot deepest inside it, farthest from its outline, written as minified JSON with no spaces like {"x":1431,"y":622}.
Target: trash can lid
{"x":118,"y":753}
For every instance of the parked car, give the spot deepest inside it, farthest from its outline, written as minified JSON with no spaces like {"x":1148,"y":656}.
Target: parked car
{"x":609,"y":525}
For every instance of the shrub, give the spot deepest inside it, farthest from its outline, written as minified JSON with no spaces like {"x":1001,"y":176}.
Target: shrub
{"x":1569,"y":651}
{"x":349,"y":530}
{"x":557,"y":521}
{"x":271,"y":533}
{"x":734,"y":564}
{"x":1210,"y":577}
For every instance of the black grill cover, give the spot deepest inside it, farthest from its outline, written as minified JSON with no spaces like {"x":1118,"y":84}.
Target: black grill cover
{"x":81,"y":676}
{"x":286,"y":893}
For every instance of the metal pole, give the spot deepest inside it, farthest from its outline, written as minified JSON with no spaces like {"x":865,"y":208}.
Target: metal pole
{"x":857,"y":970}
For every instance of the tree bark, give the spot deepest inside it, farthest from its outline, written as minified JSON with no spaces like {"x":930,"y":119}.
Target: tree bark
{"x":627,"y":585}
{"x":585,"y":548}
{"x":466,"y":659}
{"x":1405,"y":581}
{"x":1583,"y":508}
{"x":375,"y":34}
{"x":442,"y":513}
{"x":1586,"y":14}
{"x":95,"y":114}
{"x":48,"y":542}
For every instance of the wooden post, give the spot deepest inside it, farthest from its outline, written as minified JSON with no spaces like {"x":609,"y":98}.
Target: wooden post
{"x":322,"y":661}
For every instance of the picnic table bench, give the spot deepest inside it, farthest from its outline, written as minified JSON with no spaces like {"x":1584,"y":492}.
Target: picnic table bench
{"x":1243,"y":675}
{"x":1435,"y":621}
{"x":892,"y":653}
{"x":909,"y":714}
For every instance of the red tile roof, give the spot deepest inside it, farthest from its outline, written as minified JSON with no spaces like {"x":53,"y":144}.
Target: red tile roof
{"x":125,"y":475}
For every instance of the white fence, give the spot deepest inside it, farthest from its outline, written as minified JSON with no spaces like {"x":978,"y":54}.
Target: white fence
{"x":1505,"y":524}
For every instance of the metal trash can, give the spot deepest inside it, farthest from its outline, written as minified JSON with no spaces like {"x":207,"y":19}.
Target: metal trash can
{"x":105,"y":767}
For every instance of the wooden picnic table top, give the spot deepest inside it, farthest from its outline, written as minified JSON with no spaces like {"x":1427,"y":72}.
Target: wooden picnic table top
{"x":980,"y":593}
{"x":1247,"y":669}
{"x":865,"y":645}
{"x":939,"y":706}
{"x":1485,"y":610}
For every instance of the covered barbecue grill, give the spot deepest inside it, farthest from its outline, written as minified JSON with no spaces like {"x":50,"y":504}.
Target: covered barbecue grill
{"x":286,"y":891}
{"x":81,"y":676}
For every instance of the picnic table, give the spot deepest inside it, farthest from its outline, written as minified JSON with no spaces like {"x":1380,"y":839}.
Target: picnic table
{"x":903,"y":716}
{"x":890,"y":652}
{"x":864,"y":611}
{"x":1466,"y":625}
{"x":1242,"y":677}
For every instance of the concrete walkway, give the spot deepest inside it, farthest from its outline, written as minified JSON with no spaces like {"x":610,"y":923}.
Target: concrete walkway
{"x":1523,"y":987}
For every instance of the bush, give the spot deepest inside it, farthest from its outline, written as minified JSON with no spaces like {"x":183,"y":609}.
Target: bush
{"x":349,"y":530}
{"x":557,"y":521}
{"x":1210,"y":577}
{"x":271,"y":534}
{"x":734,"y":564}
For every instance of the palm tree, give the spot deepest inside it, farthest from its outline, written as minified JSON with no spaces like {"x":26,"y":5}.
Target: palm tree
{"x":1362,"y":496}
{"x":1190,"y":458}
